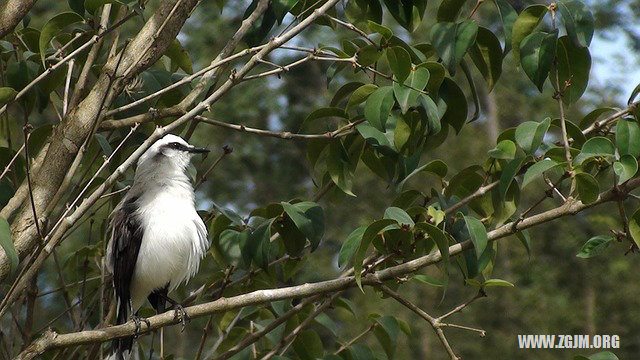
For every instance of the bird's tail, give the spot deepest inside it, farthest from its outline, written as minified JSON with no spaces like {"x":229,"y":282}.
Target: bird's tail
{"x":121,"y":348}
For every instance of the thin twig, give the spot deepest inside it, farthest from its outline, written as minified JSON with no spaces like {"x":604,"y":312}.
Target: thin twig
{"x":27,"y":133}
{"x":355,"y":339}
{"x":226,"y":150}
{"x":13,"y":159}
{"x":67,"y":83}
{"x":430,"y":319}
{"x":351,"y":27}
{"x":563,"y":125}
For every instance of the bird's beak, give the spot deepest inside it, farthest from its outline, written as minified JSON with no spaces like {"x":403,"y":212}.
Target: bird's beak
{"x":197,"y":150}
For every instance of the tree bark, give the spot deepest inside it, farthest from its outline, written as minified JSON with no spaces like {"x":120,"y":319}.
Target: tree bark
{"x":11,"y":14}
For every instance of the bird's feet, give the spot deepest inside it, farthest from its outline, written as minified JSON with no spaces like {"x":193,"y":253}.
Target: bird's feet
{"x":181,"y":315}
{"x":137,"y":320}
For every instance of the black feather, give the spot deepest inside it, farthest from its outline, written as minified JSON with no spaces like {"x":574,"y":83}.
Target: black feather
{"x":127,"y":238}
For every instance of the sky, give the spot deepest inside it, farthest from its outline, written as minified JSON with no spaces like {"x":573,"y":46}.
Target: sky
{"x":612,"y":64}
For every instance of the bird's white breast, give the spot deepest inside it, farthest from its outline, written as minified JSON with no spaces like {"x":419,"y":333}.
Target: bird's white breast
{"x":172,"y":245}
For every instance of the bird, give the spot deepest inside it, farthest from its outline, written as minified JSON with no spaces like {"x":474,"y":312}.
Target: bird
{"x":157,"y":237}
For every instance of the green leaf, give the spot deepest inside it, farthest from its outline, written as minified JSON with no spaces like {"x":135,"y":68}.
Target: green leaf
{"x":440,"y":239}
{"x":505,"y":149}
{"x":179,"y":57}
{"x":53,"y":27}
{"x":595,"y":246}
{"x":398,"y":215}
{"x":344,"y":91}
{"x":633,"y":95}
{"x":375,"y":137}
{"x":452,"y":40}
{"x":230,"y":214}
{"x":360,"y":351}
{"x":478,"y":234}
{"x":436,"y":167}
{"x":104,"y":144}
{"x":369,"y":234}
{"x":367,"y":55}
{"x":574,"y":65}
{"x":327,"y":112}
{"x":524,"y":25}
{"x":399,"y":62}
{"x":452,"y":95}
{"x":536,"y":170}
{"x":603,"y":355}
{"x":588,"y":188}
{"x":437,"y":74}
{"x":6,"y":95}
{"x":428,"y":280}
{"x":91,"y":6}
{"x":339,"y":167}
{"x":437,"y":216}
{"x":537,"y":52}
{"x":625,"y":168}
{"x":595,"y":147}
{"x":628,"y":137}
{"x":496,"y":282}
{"x":405,"y":94}
{"x":361,"y":94}
{"x":508,"y":15}
{"x":432,"y":112}
{"x":253,"y":247}
{"x":378,"y":107}
{"x":387,"y":334}
{"x":308,"y":345}
{"x":634,"y":227}
{"x":464,"y":183}
{"x":308,"y":218}
{"x":573,"y":131}
{"x":578,"y":20}
{"x":281,"y":8}
{"x":449,"y":10}
{"x":347,"y":305}
{"x":591,"y":117}
{"x":486,"y":54}
{"x":529,"y":134}
{"x":380,"y":29}
{"x":508,"y":174}
{"x":350,"y":246}
{"x":324,"y":320}
{"x":525,"y":239}
{"x":402,"y":11}
{"x":7,"y":244}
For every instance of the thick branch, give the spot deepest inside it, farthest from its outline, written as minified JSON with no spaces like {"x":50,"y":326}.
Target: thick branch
{"x":12,"y":13}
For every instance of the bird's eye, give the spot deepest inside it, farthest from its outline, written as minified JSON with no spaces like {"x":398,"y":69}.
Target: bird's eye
{"x":175,"y":145}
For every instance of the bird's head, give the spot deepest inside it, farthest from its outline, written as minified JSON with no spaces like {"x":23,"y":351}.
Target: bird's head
{"x":171,"y":151}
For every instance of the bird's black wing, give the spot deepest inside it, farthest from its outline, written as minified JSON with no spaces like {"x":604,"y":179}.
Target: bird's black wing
{"x":126,"y":239}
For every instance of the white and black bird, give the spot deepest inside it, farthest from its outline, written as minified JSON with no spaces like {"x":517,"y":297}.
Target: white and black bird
{"x":157,"y":238}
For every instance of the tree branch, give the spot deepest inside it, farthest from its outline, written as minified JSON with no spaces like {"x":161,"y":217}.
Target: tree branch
{"x":51,"y":340}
